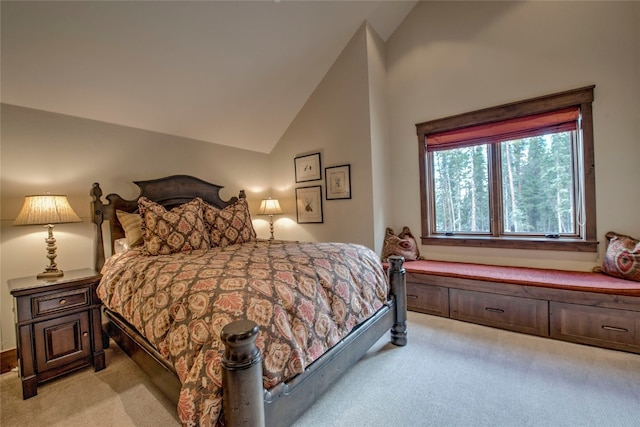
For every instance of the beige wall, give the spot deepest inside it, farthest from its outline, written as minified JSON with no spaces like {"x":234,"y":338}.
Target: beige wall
{"x":380,"y":147}
{"x":335,"y":122}
{"x":44,"y":151}
{"x":453,"y":57}
{"x":47,"y":152}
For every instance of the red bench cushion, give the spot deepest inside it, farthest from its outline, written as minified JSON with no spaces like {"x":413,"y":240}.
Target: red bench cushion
{"x":559,"y":279}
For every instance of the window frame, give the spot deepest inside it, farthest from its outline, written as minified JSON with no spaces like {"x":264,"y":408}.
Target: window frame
{"x":581,"y":98}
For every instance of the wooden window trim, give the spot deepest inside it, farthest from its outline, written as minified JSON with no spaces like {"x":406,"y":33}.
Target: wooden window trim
{"x":582,"y":97}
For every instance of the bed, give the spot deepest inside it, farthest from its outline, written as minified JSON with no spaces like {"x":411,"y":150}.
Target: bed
{"x":289,"y":317}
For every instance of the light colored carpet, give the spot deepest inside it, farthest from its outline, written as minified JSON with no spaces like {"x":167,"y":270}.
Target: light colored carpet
{"x":120,"y":395}
{"x":450,"y":374}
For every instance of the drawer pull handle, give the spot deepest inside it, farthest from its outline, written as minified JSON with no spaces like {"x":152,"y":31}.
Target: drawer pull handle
{"x":494,"y":310}
{"x":84,"y":334}
{"x":63,"y":301}
{"x":412,"y":296}
{"x":614,"y":328}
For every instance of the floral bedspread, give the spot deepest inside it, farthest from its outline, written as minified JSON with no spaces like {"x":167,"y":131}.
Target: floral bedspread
{"x":305,"y":297}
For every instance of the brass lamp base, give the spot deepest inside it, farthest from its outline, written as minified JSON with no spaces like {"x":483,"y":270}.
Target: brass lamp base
{"x":50,"y":274}
{"x":271,"y":226}
{"x":51,"y":271}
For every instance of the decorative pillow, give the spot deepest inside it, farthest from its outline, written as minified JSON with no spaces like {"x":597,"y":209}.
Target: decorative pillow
{"x":230,"y":225}
{"x":181,"y":229}
{"x":210,"y":214}
{"x":622,"y":258}
{"x":404,"y":244}
{"x":132,"y":225}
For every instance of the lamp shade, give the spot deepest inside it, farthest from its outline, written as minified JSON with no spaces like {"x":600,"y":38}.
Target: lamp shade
{"x":46,"y":209}
{"x":270,"y":207}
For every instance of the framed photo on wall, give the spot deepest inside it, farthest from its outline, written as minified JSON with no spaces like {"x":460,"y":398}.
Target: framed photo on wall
{"x":308,"y":168}
{"x":309,"y":204}
{"x":338,"y":182}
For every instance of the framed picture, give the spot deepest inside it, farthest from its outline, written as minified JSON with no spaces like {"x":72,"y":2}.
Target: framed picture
{"x":308,"y":168}
{"x":309,"y":204}
{"x":338,"y":182}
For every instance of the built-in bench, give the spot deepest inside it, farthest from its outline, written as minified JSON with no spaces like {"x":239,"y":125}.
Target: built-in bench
{"x":582,"y":307}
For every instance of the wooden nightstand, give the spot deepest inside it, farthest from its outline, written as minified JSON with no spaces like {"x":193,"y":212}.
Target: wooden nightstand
{"x":58,"y":326}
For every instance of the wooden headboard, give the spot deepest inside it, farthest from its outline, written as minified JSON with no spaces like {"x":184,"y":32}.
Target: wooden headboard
{"x":169,"y":192}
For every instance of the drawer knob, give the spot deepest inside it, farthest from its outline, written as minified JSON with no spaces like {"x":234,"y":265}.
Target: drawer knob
{"x":63,"y":301}
{"x":614,"y":328}
{"x":84,"y":334}
{"x":494,"y":310}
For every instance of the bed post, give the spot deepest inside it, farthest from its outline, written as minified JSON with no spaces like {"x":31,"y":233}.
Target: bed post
{"x":242,"y":388}
{"x":98,"y":219}
{"x":398,"y":284}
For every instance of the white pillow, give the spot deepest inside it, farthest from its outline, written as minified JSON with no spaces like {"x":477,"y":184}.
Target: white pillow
{"x":121,"y":245}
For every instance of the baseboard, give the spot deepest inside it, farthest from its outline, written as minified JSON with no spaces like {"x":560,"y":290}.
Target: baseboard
{"x":8,"y":360}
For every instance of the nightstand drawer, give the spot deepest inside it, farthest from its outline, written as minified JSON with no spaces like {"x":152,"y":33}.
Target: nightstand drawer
{"x":60,"y":301}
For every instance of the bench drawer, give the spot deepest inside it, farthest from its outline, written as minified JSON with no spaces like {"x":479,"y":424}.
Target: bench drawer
{"x":428,"y":299}
{"x":501,"y":311}
{"x":603,"y":327}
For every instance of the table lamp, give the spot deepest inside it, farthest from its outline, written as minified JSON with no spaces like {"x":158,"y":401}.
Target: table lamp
{"x":47,"y":209}
{"x":270,"y":207}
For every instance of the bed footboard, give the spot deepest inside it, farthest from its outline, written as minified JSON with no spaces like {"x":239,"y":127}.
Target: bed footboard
{"x":398,"y":283}
{"x":242,"y":391}
{"x":245,"y":401}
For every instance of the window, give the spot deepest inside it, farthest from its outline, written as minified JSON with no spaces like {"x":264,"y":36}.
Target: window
{"x":519,"y":175}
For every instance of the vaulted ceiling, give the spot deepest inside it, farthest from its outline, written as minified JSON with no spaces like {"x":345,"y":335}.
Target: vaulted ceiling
{"x":227,"y":72}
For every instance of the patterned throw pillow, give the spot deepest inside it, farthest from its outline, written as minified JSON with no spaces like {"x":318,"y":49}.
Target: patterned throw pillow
{"x":209,"y":214}
{"x":179,"y":230}
{"x":230,"y":225}
{"x":404,"y":244}
{"x":132,"y":226}
{"x":622,"y":258}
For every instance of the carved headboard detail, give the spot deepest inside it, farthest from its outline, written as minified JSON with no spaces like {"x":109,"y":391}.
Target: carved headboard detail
{"x":170,"y":191}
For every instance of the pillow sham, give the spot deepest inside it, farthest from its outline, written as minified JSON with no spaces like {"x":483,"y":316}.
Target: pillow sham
{"x":622,"y":258}
{"x":230,"y":225}
{"x":404,"y":244}
{"x":181,"y":229}
{"x":132,"y":226}
{"x":209,"y":214}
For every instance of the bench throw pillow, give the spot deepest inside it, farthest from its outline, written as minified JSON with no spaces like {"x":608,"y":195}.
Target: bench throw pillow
{"x":403,"y":244}
{"x":622,"y":258}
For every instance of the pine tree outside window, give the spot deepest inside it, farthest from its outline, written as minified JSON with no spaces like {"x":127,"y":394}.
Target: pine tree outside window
{"x":519,"y":175}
